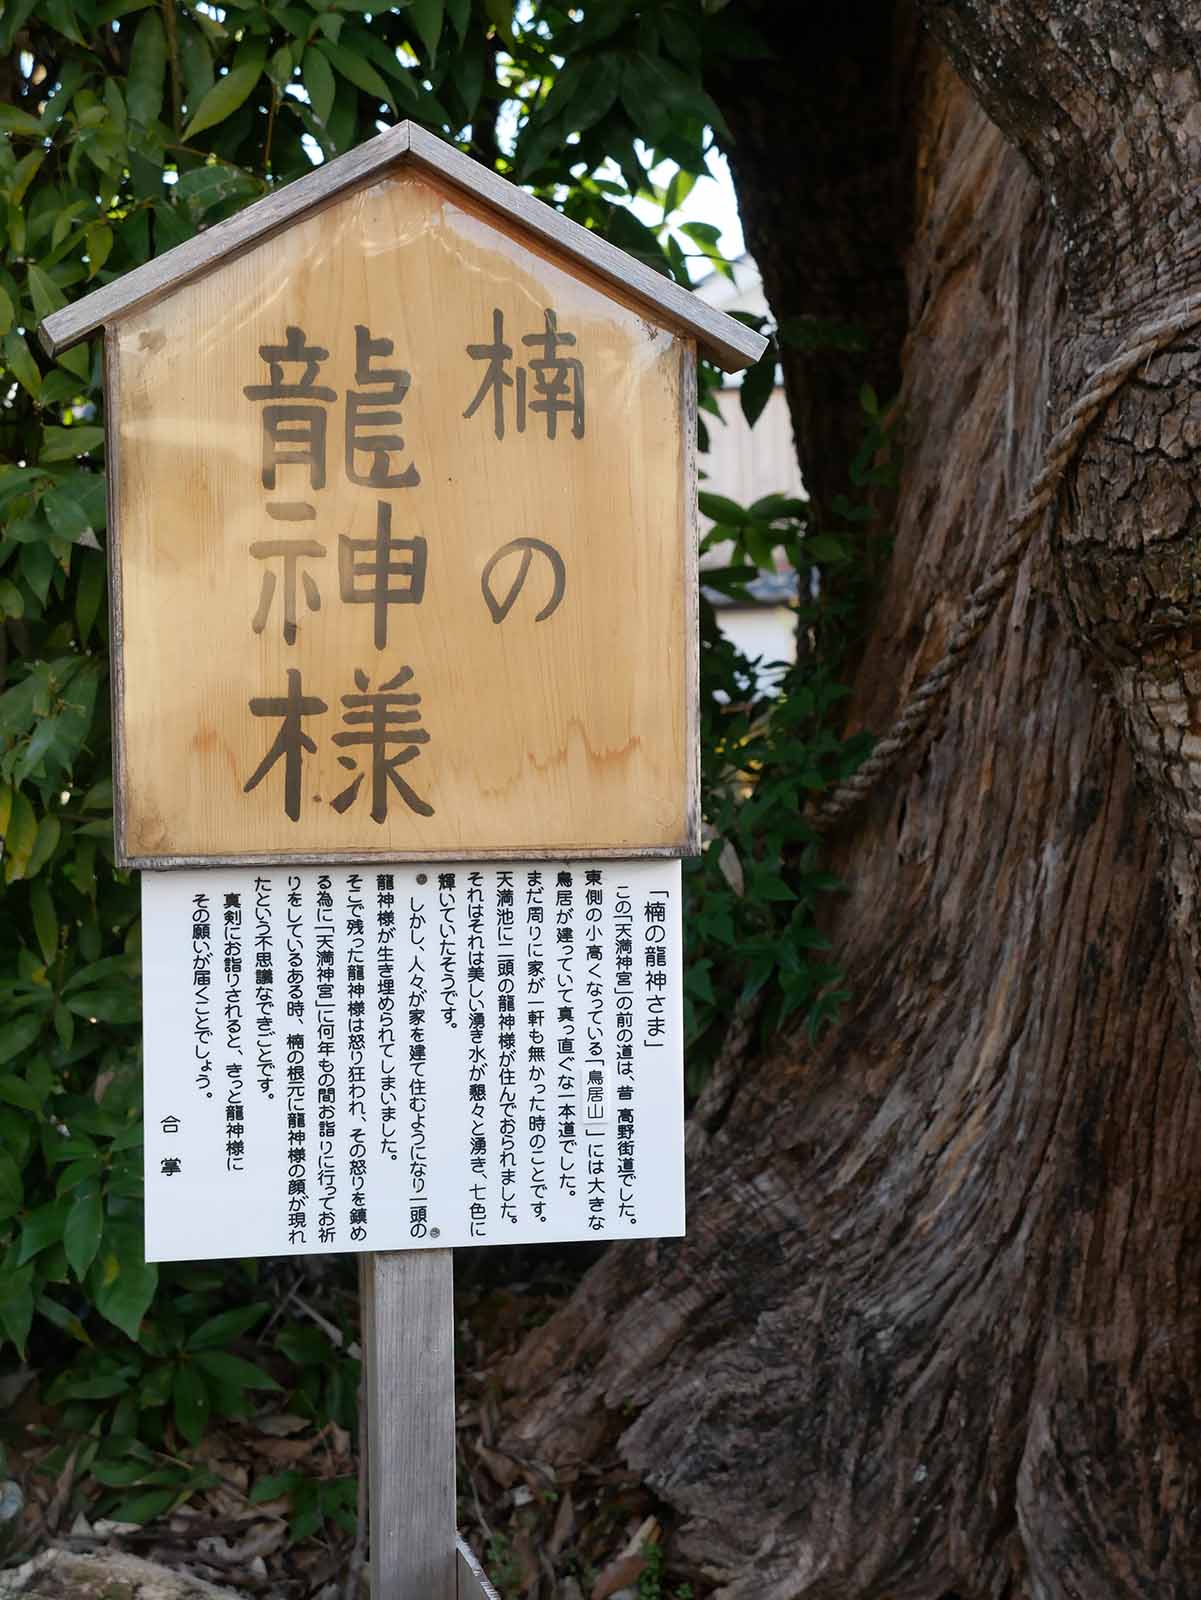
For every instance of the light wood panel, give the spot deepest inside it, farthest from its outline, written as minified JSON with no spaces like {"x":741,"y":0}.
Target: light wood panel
{"x":571,"y":735}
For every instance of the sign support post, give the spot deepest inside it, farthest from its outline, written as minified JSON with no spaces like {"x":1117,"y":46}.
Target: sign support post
{"x":408,"y":1353}
{"x":407,"y":1306}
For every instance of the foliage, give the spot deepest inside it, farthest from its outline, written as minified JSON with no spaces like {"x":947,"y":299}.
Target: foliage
{"x":650,"y":1579}
{"x":769,"y":741}
{"x":314,"y":1501}
{"x":125,"y":127}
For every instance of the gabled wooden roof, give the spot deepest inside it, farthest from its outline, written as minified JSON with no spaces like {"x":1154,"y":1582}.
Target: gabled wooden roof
{"x":725,"y":340}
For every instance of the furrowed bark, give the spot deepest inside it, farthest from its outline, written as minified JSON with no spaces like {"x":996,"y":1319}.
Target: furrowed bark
{"x":934,"y":1330}
{"x":1105,"y":102}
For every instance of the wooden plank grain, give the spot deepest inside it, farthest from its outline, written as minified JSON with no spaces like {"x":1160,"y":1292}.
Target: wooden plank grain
{"x":562,"y":725}
{"x":408,"y":1346}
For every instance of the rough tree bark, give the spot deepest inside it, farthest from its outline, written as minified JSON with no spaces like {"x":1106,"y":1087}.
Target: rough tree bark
{"x":935,"y":1331}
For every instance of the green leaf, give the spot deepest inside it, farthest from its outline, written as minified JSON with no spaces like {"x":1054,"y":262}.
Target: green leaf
{"x":218,"y":181}
{"x":45,"y":923}
{"x":75,"y":508}
{"x":107,"y":1005}
{"x":16,"y":14}
{"x":16,"y":1303}
{"x":77,"y":1173}
{"x":718,"y":509}
{"x":98,"y":242}
{"x":319,"y":83}
{"x":16,"y":1092}
{"x":45,"y":293}
{"x":124,"y":1300}
{"x":273,"y":1486}
{"x":21,"y":364}
{"x":772,"y":506}
{"x":147,"y":70}
{"x":49,"y":832}
{"x":757,"y":386}
{"x":12,"y":1192}
{"x":20,"y":836}
{"x":146,"y":1506}
{"x":42,"y":1227}
{"x":27,"y":170}
{"x":60,"y":14}
{"x":89,"y":593}
{"x":122,"y":966}
{"x":18,"y":1035}
{"x":357,"y":72}
{"x":467,"y":73}
{"x":500,"y":14}
{"x":14,"y":120}
{"x":61,"y":444}
{"x":584,"y":91}
{"x":228,"y":93}
{"x":37,"y":566}
{"x":825,"y":547}
{"x":81,"y":1232}
{"x":77,"y":361}
{"x":190,"y":1402}
{"x":234,"y":1371}
{"x":681,"y":186}
{"x":303,"y":1346}
{"x":118,"y":1474}
{"x":227,"y":1325}
{"x":7,"y":312}
{"x":428,"y":16}
{"x":196,"y":58}
{"x":100,"y":796}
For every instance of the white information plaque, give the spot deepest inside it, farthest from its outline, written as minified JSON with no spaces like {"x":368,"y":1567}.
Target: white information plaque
{"x":386,"y":1058}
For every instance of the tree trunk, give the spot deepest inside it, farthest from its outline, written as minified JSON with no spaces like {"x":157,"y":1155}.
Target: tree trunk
{"x":821,"y":133}
{"x":934,"y":1331}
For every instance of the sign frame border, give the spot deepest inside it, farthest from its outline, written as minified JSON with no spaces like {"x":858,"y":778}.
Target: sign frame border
{"x":688,"y":845}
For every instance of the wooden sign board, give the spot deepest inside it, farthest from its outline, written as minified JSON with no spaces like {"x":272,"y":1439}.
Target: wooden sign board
{"x":402,"y":506}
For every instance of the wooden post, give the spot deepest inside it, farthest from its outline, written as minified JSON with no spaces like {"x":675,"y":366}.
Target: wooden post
{"x":408,"y":1349}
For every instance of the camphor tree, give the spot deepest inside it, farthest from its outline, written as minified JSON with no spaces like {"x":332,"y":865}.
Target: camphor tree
{"x":934,"y":1331}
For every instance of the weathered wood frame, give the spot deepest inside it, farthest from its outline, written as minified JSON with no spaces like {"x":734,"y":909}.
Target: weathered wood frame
{"x":720,"y":337}
{"x":690,"y":579}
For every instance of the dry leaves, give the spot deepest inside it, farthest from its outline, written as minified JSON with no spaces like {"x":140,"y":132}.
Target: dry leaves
{"x":542,"y":1533}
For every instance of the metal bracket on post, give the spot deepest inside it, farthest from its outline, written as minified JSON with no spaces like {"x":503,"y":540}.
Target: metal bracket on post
{"x":473,"y":1585}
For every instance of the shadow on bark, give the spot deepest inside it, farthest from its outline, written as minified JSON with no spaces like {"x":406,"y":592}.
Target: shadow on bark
{"x":934,"y":1330}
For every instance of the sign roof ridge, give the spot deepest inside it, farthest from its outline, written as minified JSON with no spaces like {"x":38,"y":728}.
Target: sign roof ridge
{"x":724,"y":339}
